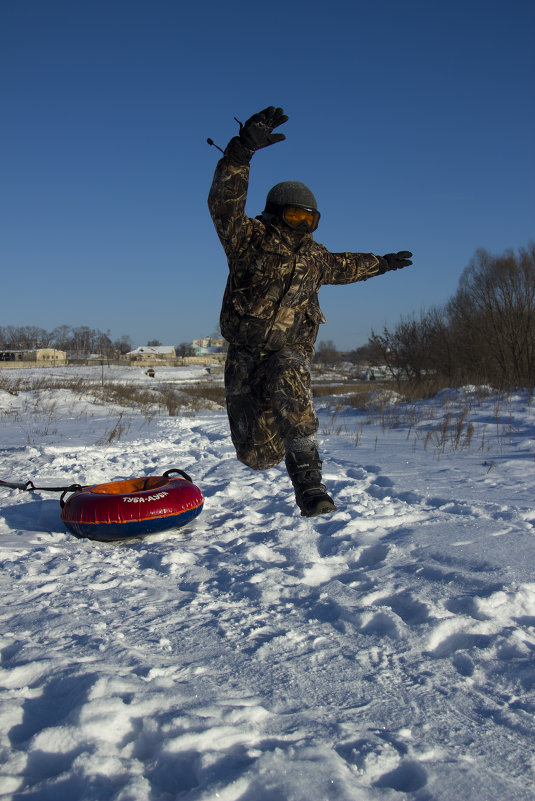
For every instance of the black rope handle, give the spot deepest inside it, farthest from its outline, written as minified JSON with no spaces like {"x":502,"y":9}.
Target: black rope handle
{"x":176,"y":470}
{"x":72,"y":488}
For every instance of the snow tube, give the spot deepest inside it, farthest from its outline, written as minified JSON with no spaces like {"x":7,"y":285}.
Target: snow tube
{"x":131,"y":508}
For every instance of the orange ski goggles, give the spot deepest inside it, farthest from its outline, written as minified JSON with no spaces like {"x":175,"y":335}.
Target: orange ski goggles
{"x":294,"y":216}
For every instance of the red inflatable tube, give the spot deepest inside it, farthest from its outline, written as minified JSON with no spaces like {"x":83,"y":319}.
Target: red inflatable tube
{"x":123,"y":509}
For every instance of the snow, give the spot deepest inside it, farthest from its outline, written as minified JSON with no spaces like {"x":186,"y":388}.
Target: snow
{"x":386,"y":651}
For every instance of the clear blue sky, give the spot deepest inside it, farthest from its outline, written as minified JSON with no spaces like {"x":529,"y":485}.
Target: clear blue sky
{"x":411,"y":120}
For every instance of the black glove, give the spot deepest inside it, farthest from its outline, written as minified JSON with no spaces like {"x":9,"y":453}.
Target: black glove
{"x":256,"y":133}
{"x":394,"y":261}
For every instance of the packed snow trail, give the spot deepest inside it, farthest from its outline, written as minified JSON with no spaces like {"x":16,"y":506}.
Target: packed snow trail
{"x":386,"y":651}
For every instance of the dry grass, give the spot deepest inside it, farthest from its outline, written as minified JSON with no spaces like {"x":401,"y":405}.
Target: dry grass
{"x":442,"y":425}
{"x":156,"y":397}
{"x":439,"y":422}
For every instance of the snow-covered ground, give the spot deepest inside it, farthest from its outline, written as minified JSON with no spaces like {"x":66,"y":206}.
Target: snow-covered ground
{"x":384,"y":652}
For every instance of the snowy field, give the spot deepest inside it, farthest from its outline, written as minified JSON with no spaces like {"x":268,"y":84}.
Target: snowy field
{"x":384,"y":652}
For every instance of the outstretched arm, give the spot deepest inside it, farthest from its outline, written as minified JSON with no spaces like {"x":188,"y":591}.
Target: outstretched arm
{"x":346,"y":268}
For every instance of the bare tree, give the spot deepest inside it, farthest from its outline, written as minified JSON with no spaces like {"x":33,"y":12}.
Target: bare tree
{"x":61,"y":337}
{"x":486,"y":332}
{"x":327,"y":355}
{"x":123,"y":344}
{"x":493,"y":316}
{"x":185,"y":349}
{"x":25,"y":337}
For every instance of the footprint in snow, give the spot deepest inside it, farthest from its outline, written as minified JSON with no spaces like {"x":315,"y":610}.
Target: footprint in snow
{"x":380,"y":624}
{"x":382,"y":762}
{"x":463,"y":664}
{"x":372,"y":556}
{"x":411,"y":611}
{"x":408,"y":777}
{"x":461,"y":641}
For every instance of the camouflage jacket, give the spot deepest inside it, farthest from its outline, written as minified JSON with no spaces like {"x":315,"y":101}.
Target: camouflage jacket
{"x":271,"y":297}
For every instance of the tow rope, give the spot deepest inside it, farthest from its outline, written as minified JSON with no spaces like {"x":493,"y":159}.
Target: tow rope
{"x":29,"y":486}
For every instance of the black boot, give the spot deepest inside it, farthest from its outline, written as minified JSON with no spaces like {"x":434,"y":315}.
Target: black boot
{"x":305,"y":471}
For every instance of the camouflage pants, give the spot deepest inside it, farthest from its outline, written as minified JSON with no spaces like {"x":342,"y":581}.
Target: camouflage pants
{"x":269,"y":399}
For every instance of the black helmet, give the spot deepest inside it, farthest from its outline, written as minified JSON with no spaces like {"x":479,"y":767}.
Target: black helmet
{"x":294,"y":203}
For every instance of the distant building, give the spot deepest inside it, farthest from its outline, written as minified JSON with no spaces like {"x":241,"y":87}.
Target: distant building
{"x":51,"y":355}
{"x":207,"y":345}
{"x":12,"y":355}
{"x":44,"y":356}
{"x":150,"y":353}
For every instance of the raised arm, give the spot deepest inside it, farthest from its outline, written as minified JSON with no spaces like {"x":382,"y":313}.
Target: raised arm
{"x":228,"y":193}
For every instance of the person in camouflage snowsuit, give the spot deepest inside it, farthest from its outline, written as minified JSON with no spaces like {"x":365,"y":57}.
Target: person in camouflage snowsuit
{"x":270,"y":313}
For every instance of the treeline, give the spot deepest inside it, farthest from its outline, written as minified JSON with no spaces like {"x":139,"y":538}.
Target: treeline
{"x":79,"y":341}
{"x":484,"y":334}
